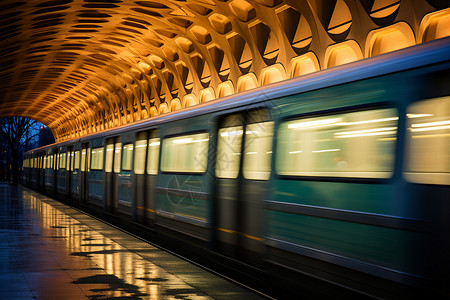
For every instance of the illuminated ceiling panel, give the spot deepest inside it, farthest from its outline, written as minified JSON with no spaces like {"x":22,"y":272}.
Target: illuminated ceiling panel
{"x":83,"y":66}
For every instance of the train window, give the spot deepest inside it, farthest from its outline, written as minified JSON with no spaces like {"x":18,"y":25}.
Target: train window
{"x":139,"y":157}
{"x":50,"y":161}
{"x":117,"y":156}
{"x":88,"y":157}
{"x":258,"y":150}
{"x":153,"y":156}
{"x":428,"y":140}
{"x":229,"y":151}
{"x":62,"y":161}
{"x":76,"y":160}
{"x":356,"y":144}
{"x":45,"y":162}
{"x":97,"y":158}
{"x":83,"y":160}
{"x":57,"y":156}
{"x":187,"y":153}
{"x":70,"y":160}
{"x":109,"y":157}
{"x":127,"y":157}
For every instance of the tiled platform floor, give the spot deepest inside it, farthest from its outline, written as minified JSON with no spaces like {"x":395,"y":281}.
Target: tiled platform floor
{"x":51,"y":251}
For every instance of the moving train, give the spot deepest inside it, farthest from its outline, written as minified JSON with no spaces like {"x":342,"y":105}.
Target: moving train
{"x":335,"y":182}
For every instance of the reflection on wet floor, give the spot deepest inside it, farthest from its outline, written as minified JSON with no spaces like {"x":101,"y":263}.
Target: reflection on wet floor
{"x":51,"y":251}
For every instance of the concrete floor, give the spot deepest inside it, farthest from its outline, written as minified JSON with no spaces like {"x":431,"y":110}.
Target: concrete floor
{"x":51,"y":251}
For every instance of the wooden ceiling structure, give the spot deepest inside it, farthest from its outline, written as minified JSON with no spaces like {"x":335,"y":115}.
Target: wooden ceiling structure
{"x":84,"y":66}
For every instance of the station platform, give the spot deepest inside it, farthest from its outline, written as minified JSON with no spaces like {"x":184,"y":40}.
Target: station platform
{"x":49,"y":250}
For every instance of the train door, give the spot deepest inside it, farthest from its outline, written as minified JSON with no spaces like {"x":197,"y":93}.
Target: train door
{"x":109,"y":175}
{"x":55,"y":169}
{"x":139,"y":176}
{"x":61,"y":172}
{"x":69,"y":171}
{"x":150,"y":177}
{"x":96,"y":174}
{"x":116,"y":172}
{"x":244,"y":150}
{"x":42,"y":172}
{"x":145,"y":171}
{"x":76,"y":174}
{"x":85,"y":158}
{"x":125,"y":193}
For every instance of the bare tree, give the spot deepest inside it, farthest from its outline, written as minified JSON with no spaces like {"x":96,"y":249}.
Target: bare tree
{"x":17,"y":132}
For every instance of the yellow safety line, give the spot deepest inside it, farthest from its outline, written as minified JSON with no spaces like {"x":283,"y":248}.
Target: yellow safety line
{"x":148,"y":209}
{"x":241,"y":233}
{"x":192,"y":217}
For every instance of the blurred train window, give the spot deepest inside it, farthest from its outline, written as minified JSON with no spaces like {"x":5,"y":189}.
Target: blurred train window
{"x":258,"y":150}
{"x":117,"y":156}
{"x":57,"y":162}
{"x":356,"y":144}
{"x":139,"y":157}
{"x":45,"y":162}
{"x":187,"y":153}
{"x":153,"y":156}
{"x":127,"y":157}
{"x":97,"y":158}
{"x":229,"y":151}
{"x":50,"y":161}
{"x":83,"y":160}
{"x":76,"y":160}
{"x":62,"y":160}
{"x":428,"y":140}
{"x":88,"y":157}
{"x":109,"y":157}
{"x":70,"y":160}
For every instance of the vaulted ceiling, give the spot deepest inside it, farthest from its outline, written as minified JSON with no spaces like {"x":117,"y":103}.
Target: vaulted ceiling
{"x":83,"y":66}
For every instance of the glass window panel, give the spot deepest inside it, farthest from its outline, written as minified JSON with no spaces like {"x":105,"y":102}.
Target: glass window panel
{"x":97,"y":158}
{"x":45,"y":161}
{"x":50,"y":161}
{"x":117,"y":156}
{"x":229,"y":151}
{"x":57,"y":162}
{"x":139,"y":159}
{"x":109,"y":157}
{"x":76,"y":160}
{"x":62,"y":161}
{"x":428,"y":141}
{"x":88,"y":157}
{"x":69,"y":155}
{"x":258,"y":150}
{"x":187,"y":153}
{"x":127,"y":157}
{"x":83,"y":160}
{"x":153,"y":156}
{"x":356,"y":144}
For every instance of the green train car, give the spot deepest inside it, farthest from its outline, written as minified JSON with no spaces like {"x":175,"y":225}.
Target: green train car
{"x":329,"y":184}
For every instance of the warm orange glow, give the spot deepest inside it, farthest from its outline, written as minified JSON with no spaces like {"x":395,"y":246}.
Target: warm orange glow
{"x":207,"y":95}
{"x":225,"y":89}
{"x":247,"y":82}
{"x":342,"y":53}
{"x":389,"y":39}
{"x":304,"y":64}
{"x":273,"y":74}
{"x":435,"y":25}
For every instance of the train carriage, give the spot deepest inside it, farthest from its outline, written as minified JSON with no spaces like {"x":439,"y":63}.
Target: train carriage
{"x":337,"y":179}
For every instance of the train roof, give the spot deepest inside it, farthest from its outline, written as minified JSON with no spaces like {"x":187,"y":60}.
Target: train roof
{"x":428,"y":53}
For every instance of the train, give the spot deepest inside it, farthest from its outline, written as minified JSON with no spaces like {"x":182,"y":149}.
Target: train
{"x":332,"y":183}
